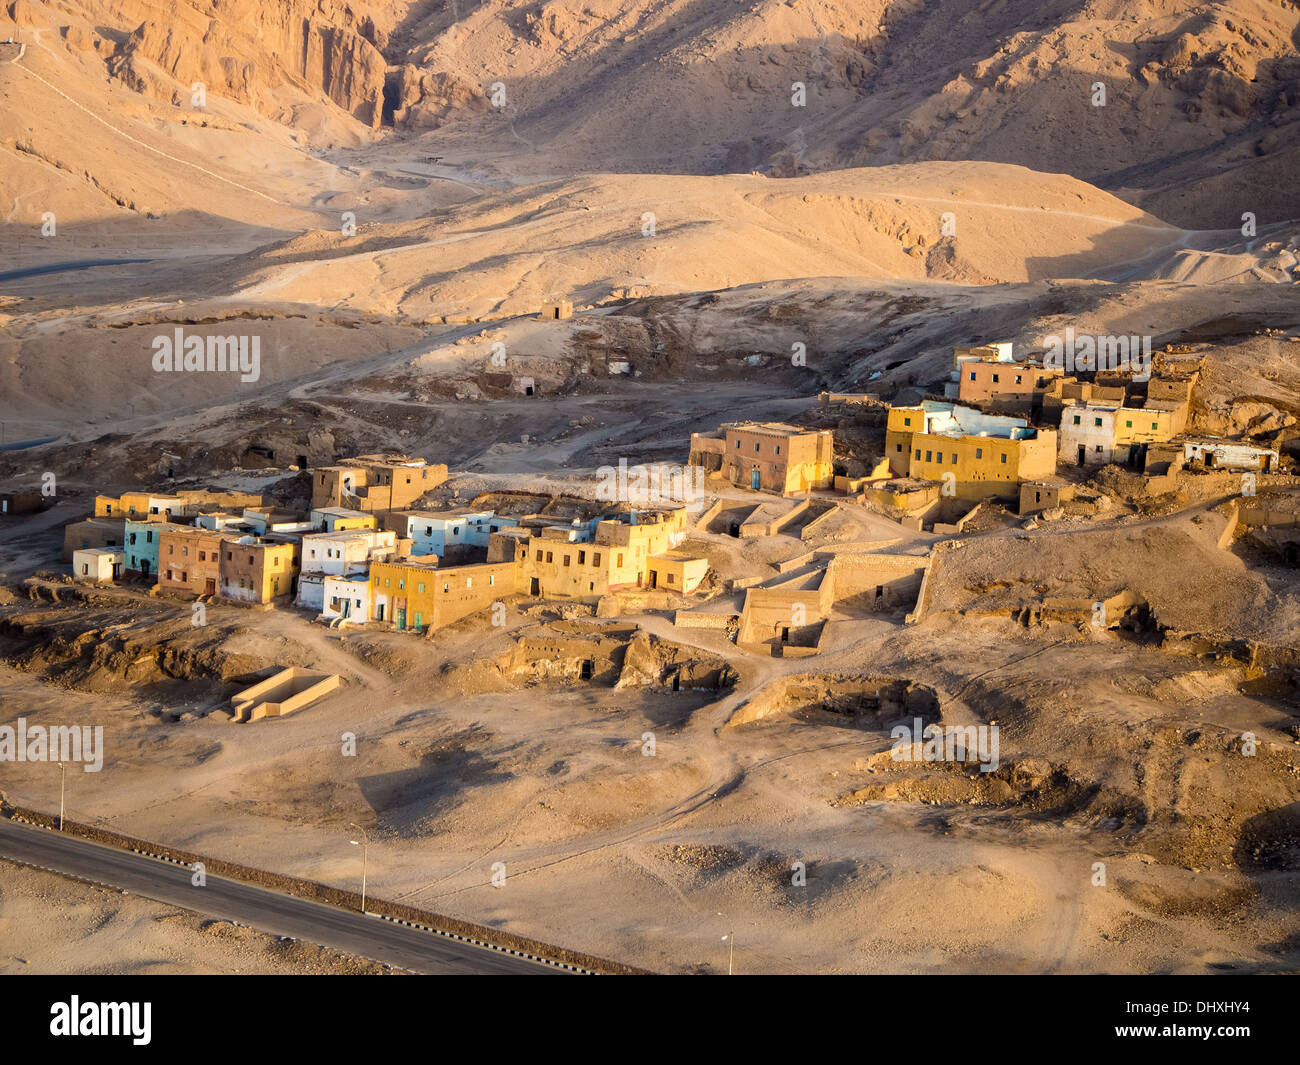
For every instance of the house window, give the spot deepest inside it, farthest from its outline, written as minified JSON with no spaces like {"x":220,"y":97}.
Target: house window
{"x":132,"y":540}
{"x":1096,"y":421}
{"x":670,"y":578}
{"x":539,"y":556}
{"x":1004,"y":458}
{"x":469,"y":582}
{"x":171,"y":550}
{"x":582,"y":558}
{"x":1076,"y":419}
{"x":550,"y":556}
{"x":620,"y":559}
{"x":420,"y":587}
{"x":492,"y":578}
{"x":1128,"y":424}
{"x":979,"y":452}
{"x":446,"y":587}
{"x":929,"y":456}
{"x":566,"y":560}
{"x":148,"y":537}
{"x":898,"y":447}
{"x":907,"y":421}
{"x":755,"y":446}
{"x":972,"y":375}
{"x":595,"y":559}
{"x":954,"y":458}
{"x":1153,"y":425}
{"x":995,"y":379}
{"x":1017,"y":379}
{"x":737,"y":445}
{"x":778,"y":449}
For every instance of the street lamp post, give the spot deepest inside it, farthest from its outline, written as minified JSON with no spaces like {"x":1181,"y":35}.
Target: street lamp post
{"x":730,"y":939}
{"x":63,"y":773}
{"x":365,"y":850}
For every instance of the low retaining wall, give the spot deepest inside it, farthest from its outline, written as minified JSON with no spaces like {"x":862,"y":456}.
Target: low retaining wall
{"x":492,"y":938}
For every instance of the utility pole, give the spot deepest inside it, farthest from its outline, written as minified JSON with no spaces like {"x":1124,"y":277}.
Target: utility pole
{"x":63,"y":773}
{"x":365,"y":850}
{"x":730,"y":940}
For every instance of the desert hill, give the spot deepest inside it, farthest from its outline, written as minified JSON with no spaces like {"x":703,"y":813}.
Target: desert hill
{"x":1198,"y":126}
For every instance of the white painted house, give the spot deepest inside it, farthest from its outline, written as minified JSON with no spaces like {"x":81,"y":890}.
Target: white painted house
{"x":432,"y":532}
{"x":346,"y":597}
{"x":98,"y":563}
{"x":344,"y":553}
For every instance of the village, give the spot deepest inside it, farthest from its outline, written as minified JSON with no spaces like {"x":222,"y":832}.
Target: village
{"x":972,"y":614}
{"x":1017,"y":438}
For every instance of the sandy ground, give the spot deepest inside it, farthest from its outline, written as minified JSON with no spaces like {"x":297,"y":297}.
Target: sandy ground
{"x":51,"y":924}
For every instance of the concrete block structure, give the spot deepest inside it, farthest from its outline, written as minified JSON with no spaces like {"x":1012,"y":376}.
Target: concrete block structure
{"x":283,"y":693}
{"x":767,"y":456}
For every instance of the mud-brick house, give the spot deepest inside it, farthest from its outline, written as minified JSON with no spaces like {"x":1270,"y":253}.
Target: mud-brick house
{"x":139,"y":505}
{"x":419,"y":595}
{"x":258,"y":570}
{"x":143,"y":540}
{"x":373,"y":483}
{"x":978,"y":455}
{"x":189,"y":559}
{"x":23,"y":502}
{"x":767,"y":456}
{"x":93,"y":532}
{"x":338,"y":519}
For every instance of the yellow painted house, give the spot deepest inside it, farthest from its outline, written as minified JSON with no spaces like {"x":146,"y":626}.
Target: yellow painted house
{"x":979,"y":454}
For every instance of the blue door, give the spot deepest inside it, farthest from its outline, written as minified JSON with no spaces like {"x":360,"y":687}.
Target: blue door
{"x":755,"y":479}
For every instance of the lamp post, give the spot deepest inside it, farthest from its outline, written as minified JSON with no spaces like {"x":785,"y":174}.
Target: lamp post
{"x":730,"y":939}
{"x":63,"y":773}
{"x":365,"y":850}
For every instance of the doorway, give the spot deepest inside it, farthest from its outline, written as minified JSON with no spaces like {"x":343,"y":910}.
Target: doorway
{"x":1083,"y":454}
{"x":534,"y":586}
{"x":755,"y":479}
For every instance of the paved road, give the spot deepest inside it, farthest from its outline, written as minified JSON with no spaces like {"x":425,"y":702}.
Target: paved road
{"x":59,"y":268}
{"x":353,"y":933}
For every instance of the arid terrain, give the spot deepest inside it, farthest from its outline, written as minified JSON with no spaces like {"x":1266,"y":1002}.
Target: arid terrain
{"x":389,"y":196}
